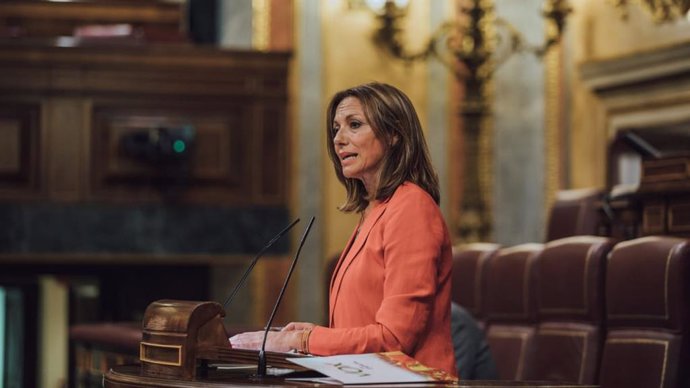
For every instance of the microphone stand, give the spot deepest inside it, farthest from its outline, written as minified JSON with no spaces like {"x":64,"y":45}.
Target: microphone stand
{"x":261,"y":366}
{"x":254,"y":260}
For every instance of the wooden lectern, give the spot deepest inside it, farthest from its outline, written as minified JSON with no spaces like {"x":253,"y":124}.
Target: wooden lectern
{"x":181,"y":338}
{"x":178,"y":336}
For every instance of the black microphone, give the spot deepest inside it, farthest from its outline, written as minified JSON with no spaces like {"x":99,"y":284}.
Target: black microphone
{"x":261,"y":367}
{"x":254,"y":260}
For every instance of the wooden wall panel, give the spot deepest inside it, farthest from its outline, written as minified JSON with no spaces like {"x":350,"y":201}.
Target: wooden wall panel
{"x":274,"y":153}
{"x":91,"y":96}
{"x":19,"y":150}
{"x":49,"y":18}
{"x":217,"y":165}
{"x":68,"y":193}
{"x":64,"y":151}
{"x":679,"y":215}
{"x":10,"y":147}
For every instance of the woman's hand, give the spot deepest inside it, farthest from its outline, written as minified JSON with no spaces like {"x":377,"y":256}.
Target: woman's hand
{"x":277,"y":341}
{"x":298,"y":326}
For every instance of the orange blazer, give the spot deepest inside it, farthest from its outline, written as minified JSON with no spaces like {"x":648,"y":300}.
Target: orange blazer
{"x":391,"y":288}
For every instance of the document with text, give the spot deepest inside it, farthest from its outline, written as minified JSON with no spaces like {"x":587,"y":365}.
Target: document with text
{"x":374,"y":368}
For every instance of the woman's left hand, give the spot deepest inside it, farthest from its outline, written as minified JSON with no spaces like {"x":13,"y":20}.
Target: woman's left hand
{"x":277,"y":341}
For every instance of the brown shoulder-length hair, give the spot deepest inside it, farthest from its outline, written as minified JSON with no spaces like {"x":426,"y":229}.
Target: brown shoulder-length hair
{"x":395,"y":123}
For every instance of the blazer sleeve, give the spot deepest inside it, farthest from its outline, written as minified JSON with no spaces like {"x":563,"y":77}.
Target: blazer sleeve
{"x":412,"y":238}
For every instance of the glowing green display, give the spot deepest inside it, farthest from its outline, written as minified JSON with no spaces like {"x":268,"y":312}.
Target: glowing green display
{"x":179,"y":146}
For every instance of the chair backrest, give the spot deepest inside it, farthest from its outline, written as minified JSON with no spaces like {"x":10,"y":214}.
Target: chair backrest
{"x":574,"y":213}
{"x":570,"y":309}
{"x":510,"y":312}
{"x":469,"y":269}
{"x":648,"y":314}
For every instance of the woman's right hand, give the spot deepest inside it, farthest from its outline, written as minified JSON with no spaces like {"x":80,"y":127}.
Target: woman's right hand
{"x":298,"y":326}
{"x":276,"y":341}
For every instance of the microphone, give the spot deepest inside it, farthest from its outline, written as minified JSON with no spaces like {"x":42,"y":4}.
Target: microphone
{"x":254,"y":260}
{"x":261,"y":367}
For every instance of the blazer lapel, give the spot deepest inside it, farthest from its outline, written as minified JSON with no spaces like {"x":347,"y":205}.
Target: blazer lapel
{"x":348,"y":256}
{"x":340,"y":262}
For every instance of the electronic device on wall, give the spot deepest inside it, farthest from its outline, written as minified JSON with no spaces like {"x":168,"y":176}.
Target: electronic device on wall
{"x":168,"y":150}
{"x":160,"y":145}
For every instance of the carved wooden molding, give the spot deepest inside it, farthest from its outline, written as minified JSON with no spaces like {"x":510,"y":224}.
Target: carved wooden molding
{"x":86,"y":98}
{"x":638,"y":69}
{"x":641,"y":90}
{"x":50,"y":18}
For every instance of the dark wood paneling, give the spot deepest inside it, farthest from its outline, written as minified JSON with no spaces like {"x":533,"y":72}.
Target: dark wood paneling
{"x":274,"y":155}
{"x":659,"y":206}
{"x":665,"y":170}
{"x":679,"y":215}
{"x":236,"y":102}
{"x":64,"y":109}
{"x":654,"y":218}
{"x":217,"y":167}
{"x":49,"y":18}
{"x":19,"y":149}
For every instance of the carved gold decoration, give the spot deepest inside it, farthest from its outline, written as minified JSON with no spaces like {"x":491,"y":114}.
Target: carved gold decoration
{"x":472,"y":48}
{"x":662,"y":10}
{"x":553,"y":136}
{"x":261,"y":24}
{"x":485,"y":166}
{"x":474,"y":52}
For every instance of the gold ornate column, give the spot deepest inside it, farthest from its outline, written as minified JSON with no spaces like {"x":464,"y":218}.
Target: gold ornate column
{"x":469,"y":49}
{"x":261,"y":24}
{"x":554,"y":137}
{"x":662,"y":10}
{"x":475,"y":52}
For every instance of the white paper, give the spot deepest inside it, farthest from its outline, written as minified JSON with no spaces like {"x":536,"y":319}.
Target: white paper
{"x":360,"y":369}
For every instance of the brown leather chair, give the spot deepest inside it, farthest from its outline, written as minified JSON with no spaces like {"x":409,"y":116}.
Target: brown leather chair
{"x":510,"y":309}
{"x":469,"y":271}
{"x":648,"y":314}
{"x":570,"y":310}
{"x":574,"y":213}
{"x":95,"y":348}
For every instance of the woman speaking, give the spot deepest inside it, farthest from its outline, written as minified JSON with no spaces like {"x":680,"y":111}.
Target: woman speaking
{"x":390,"y":289}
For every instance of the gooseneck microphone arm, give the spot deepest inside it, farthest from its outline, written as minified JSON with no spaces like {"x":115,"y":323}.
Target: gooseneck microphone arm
{"x":261,"y":367}
{"x":254,"y":260}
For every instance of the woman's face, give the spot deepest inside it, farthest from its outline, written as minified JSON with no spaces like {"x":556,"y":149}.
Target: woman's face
{"x":359,"y":150}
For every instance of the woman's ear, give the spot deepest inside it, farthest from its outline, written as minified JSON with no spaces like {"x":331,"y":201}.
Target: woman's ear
{"x":394,"y":140}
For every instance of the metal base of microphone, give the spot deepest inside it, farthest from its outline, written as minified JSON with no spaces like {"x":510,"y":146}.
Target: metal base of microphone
{"x":260,"y":367}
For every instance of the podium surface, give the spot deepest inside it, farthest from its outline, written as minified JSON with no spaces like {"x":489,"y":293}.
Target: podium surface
{"x":129,"y":376}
